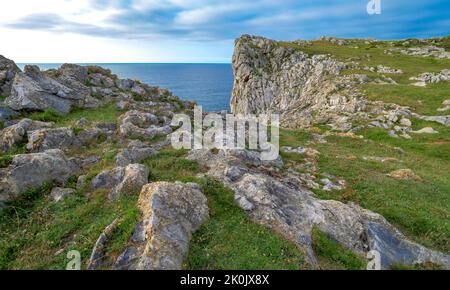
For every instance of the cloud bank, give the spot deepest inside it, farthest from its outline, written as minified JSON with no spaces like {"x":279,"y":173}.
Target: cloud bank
{"x":218,"y":22}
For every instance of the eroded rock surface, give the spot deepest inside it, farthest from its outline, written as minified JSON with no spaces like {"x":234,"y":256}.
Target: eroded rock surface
{"x":121,"y":180}
{"x":171,"y":213}
{"x":29,"y":171}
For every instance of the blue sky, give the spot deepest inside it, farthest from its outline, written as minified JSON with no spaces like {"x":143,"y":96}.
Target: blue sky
{"x":196,"y":30}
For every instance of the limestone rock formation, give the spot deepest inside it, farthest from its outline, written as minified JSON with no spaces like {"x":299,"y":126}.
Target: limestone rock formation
{"x":274,"y":77}
{"x":171,"y":213}
{"x":282,"y":204}
{"x":17,"y":133}
{"x":136,"y":124}
{"x":34,"y":90}
{"x":8,"y":70}
{"x":29,"y":171}
{"x":121,"y":180}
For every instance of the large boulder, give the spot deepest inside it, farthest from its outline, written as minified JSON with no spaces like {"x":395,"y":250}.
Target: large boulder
{"x":171,"y":213}
{"x":141,"y":125}
{"x":28,"y":171}
{"x":54,"y":138}
{"x":35,"y":90}
{"x":8,"y":70}
{"x":121,"y":180}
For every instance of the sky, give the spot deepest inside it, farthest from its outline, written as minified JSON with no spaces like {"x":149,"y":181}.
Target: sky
{"x":88,"y":31}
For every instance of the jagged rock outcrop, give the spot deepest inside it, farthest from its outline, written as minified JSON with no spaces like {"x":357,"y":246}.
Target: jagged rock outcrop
{"x":65,"y":138}
{"x":282,"y":204}
{"x":424,"y":51}
{"x":121,"y":180}
{"x":29,"y":171}
{"x":275,"y":77}
{"x":136,"y":152}
{"x":35,"y":90}
{"x":8,"y":70}
{"x":17,"y":133}
{"x":136,"y":124}
{"x":442,"y":76}
{"x":171,"y":213}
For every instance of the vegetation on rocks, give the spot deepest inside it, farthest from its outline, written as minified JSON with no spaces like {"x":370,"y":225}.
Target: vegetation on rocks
{"x":365,"y":143}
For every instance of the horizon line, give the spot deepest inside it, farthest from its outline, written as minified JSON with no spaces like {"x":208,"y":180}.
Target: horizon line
{"x":81,"y":63}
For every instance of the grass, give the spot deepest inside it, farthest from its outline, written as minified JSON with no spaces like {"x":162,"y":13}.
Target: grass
{"x":333,"y":256}
{"x":47,"y":116}
{"x":420,"y":209}
{"x":105,"y":114}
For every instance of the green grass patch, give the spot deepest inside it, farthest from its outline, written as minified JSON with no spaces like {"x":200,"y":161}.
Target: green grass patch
{"x":106,"y":114}
{"x":170,"y":165}
{"x":47,"y":116}
{"x":333,"y":256}
{"x":33,"y":231}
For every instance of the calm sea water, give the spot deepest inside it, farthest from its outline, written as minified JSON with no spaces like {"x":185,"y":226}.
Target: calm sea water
{"x":209,"y":85}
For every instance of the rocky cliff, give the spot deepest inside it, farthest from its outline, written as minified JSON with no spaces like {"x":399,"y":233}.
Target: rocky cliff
{"x":272,"y":76}
{"x":307,"y":84}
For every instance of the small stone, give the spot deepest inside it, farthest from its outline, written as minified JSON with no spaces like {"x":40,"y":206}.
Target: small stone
{"x":58,"y":193}
{"x":404,"y":174}
{"x":82,"y":122}
{"x":405,"y":122}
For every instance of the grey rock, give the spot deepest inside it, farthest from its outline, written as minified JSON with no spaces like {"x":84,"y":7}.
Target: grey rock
{"x":426,"y":130}
{"x":98,"y":257}
{"x":135,"y":124}
{"x":6,"y":113}
{"x":171,"y":213}
{"x":33,"y":90}
{"x":121,"y":180}
{"x":442,"y":76}
{"x":29,"y":171}
{"x":44,"y":139}
{"x":17,"y":133}
{"x":424,"y":51}
{"x":8,"y":70}
{"x":59,"y":193}
{"x":133,"y":154}
{"x":124,"y":84}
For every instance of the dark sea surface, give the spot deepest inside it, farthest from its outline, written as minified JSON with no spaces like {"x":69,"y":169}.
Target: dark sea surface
{"x":209,"y":85}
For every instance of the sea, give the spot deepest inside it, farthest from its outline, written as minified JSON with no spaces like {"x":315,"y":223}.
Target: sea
{"x":209,"y":85}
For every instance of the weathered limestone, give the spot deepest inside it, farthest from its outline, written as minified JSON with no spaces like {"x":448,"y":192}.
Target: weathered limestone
{"x":121,"y":180}
{"x":28,"y":171}
{"x":171,"y":213}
